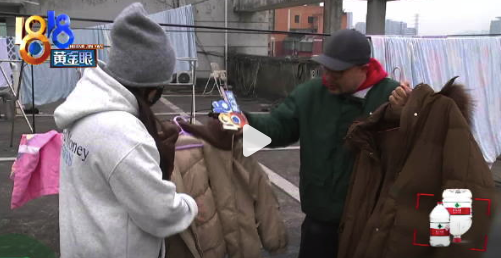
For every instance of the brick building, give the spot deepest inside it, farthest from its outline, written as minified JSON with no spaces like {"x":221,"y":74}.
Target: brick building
{"x":308,"y":18}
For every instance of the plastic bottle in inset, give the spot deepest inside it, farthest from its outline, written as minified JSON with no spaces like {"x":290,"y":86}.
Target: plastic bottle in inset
{"x":440,"y":226}
{"x":458,"y":203}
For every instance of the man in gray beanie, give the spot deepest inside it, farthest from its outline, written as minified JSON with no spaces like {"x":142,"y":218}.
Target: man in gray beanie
{"x":141,"y":54}
{"x":115,"y":199}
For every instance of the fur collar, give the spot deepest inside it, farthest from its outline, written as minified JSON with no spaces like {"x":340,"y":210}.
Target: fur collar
{"x":459,"y":95}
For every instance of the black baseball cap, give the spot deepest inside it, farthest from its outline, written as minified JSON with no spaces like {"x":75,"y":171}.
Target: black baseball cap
{"x":345,"y":49}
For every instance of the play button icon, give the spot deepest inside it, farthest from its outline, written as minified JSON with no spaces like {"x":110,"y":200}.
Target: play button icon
{"x":254,"y":140}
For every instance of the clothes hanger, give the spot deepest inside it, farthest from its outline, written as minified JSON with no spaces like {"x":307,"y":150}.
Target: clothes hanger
{"x":394,"y":75}
{"x":189,"y":146}
{"x":183,"y":132}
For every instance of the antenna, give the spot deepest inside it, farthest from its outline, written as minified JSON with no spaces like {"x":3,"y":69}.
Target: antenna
{"x":416,"y":23}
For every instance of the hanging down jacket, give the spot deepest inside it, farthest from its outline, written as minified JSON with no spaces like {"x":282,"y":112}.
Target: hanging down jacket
{"x":428,"y":149}
{"x":238,"y":211}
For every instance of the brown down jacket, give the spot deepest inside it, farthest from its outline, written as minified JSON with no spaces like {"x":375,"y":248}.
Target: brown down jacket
{"x":428,"y":149}
{"x":239,"y":213}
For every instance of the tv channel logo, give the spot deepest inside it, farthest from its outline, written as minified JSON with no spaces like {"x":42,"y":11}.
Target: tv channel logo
{"x":70,"y":58}
{"x":34,"y":45}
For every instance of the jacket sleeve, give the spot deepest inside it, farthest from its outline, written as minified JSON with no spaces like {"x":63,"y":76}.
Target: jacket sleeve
{"x":152,"y":203}
{"x":464,"y":167}
{"x":281,"y":125}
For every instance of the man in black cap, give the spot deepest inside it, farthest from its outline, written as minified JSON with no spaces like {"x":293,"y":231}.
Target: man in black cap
{"x":319,"y":113}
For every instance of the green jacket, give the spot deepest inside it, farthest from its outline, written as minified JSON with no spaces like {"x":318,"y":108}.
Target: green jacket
{"x":321,"y":120}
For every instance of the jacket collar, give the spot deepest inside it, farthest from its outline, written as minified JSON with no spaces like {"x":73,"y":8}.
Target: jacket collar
{"x":361,"y":134}
{"x":423,"y":95}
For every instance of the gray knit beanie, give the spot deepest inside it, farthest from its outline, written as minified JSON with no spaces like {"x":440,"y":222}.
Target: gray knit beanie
{"x":141,"y":54}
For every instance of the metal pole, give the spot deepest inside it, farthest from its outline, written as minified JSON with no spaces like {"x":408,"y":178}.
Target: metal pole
{"x":33,"y":99}
{"x":15,"y":110}
{"x":194,"y":84}
{"x":11,"y":61}
{"x":17,"y":61}
{"x":192,"y":117}
{"x":226,"y":36}
{"x":16,"y":96}
{"x":8,"y":82}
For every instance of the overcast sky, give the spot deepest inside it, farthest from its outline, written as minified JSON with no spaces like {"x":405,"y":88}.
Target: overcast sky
{"x":436,"y":17}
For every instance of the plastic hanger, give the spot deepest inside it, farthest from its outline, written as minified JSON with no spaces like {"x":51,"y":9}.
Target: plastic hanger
{"x":183,"y":132}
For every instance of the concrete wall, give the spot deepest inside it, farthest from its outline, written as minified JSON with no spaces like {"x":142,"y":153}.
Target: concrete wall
{"x":272,"y":78}
{"x":211,"y":13}
{"x":333,"y":16}
{"x":376,"y":13}
{"x":10,"y":22}
{"x":248,"y":43}
{"x":11,"y":2}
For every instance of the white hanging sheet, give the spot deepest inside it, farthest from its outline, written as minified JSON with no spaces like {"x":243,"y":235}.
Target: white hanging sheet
{"x":4,"y":55}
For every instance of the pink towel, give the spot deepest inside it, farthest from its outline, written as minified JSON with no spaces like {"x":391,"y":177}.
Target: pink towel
{"x":36,"y":170}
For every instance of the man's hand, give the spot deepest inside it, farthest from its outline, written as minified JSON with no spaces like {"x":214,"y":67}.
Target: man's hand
{"x":400,"y":95}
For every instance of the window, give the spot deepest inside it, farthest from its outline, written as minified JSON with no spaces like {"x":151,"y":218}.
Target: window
{"x":296,"y":19}
{"x":311,"y":19}
{"x":306,"y":46}
{"x":3,"y":29}
{"x":291,"y":44}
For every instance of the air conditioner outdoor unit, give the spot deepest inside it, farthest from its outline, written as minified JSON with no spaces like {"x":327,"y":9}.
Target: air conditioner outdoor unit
{"x":184,"y":77}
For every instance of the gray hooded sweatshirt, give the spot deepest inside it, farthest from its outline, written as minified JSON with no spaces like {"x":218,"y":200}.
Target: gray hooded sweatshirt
{"x":112,"y":201}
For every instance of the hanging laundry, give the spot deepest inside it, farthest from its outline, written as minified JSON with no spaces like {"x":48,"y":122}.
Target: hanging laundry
{"x":183,"y":40}
{"x":4,"y":55}
{"x":434,"y":60}
{"x":12,"y":49}
{"x":36,"y":170}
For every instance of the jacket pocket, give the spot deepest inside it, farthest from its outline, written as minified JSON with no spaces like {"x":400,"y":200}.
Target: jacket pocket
{"x":400,"y":241}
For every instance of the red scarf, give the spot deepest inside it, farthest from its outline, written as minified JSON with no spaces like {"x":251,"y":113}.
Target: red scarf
{"x":375,"y":73}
